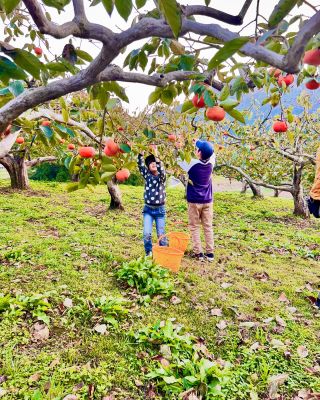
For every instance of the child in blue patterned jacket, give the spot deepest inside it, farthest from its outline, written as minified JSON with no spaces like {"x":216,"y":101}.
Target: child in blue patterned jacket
{"x":154,"y":175}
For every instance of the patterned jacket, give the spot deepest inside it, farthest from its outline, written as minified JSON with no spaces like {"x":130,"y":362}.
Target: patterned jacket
{"x":154,"y":189}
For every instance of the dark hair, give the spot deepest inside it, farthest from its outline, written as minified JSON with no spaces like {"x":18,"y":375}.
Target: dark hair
{"x":150,"y":159}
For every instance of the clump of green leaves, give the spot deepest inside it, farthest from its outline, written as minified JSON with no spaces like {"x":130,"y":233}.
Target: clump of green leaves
{"x":146,"y":277}
{"x":36,"y":305}
{"x":112,"y":309}
{"x":182,"y":364}
{"x":109,"y":310}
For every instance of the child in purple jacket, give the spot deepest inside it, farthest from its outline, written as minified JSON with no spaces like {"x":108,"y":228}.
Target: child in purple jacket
{"x":199,"y":197}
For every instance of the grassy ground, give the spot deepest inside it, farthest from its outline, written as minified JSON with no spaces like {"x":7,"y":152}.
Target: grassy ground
{"x":250,"y":306}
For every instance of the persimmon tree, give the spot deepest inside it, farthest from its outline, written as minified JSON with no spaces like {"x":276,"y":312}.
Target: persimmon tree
{"x":171,"y":32}
{"x":281,"y":161}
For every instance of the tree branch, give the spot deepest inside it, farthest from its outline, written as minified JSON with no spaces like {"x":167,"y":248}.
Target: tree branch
{"x":40,"y":160}
{"x":249,"y":179}
{"x":43,"y":112}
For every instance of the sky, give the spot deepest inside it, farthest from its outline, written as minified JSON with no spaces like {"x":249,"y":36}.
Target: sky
{"x":138,"y":93}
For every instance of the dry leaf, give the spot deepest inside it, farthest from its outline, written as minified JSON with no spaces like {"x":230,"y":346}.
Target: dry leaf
{"x":274,"y":382}
{"x":222,"y":325}
{"x":247,"y":324}
{"x":261,"y":276}
{"x":138,"y":383}
{"x":283,"y":298}
{"x":71,"y":397}
{"x":67,"y":302}
{"x":175,"y":300}
{"x":302,"y":351}
{"x":280,"y":321}
{"x":40,"y":331}
{"x":277,"y":344}
{"x":55,"y":362}
{"x":165,"y":351}
{"x":101,"y":328}
{"x":216,"y":312}
{"x":35,"y":377}
{"x":292,"y":310}
{"x":226,"y":285}
{"x":255,"y":346}
{"x":3,"y":392}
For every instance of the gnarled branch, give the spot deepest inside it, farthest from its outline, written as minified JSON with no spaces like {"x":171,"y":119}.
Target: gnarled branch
{"x":40,"y":160}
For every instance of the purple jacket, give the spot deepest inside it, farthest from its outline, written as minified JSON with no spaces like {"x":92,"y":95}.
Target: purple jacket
{"x":199,"y":189}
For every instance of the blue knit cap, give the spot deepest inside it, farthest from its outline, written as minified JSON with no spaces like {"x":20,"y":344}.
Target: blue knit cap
{"x":206,"y":149}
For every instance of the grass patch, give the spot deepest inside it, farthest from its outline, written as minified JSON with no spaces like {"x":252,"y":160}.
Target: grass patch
{"x":250,"y":307}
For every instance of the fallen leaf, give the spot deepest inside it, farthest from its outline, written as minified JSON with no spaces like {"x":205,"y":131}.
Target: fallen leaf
{"x":67,"y":302}
{"x":138,"y":383}
{"x":78,"y":386}
{"x":216,"y":312}
{"x":261,"y":276}
{"x":46,"y":386}
{"x":2,"y":392}
{"x":222,"y":325}
{"x":281,"y":321}
{"x":292,"y":310}
{"x":40,"y":331}
{"x":268,"y":320}
{"x":70,"y":397}
{"x":175,"y":300}
{"x":247,"y":324}
{"x":302,"y":351}
{"x":3,"y":378}
{"x":283,"y":298}
{"x":101,"y":328}
{"x":108,"y":398}
{"x":151,"y":394}
{"x":90,"y":391}
{"x":226,"y":285}
{"x":35,"y":377}
{"x":55,"y":362}
{"x":165,"y":351}
{"x":255,"y":346}
{"x":277,"y":344}
{"x":274,"y":382}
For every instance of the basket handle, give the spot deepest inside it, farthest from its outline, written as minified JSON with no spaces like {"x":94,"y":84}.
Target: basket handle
{"x":167,"y":235}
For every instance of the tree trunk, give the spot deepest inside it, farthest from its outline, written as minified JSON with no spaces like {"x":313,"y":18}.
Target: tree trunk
{"x":244,"y":187}
{"x":17,"y":169}
{"x":115,"y":194}
{"x":300,"y":206}
{"x":184,"y":180}
{"x":276,"y":193}
{"x":256,"y":190}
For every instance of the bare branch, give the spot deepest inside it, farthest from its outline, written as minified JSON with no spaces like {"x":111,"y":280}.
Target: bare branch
{"x":293,"y":57}
{"x":44,"y":112}
{"x":40,"y":160}
{"x":7,"y":143}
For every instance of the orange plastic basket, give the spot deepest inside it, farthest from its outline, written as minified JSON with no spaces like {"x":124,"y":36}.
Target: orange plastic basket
{"x":167,"y":256}
{"x":179,"y":240}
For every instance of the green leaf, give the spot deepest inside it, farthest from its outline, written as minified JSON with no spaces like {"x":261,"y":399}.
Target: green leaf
{"x":64,"y":129}
{"x":16,"y":88}
{"x":106,"y":176}
{"x":56,"y":67}
{"x":236,"y":115}
{"x":9,"y":5}
{"x":84,"y":55}
{"x":207,"y":2}
{"x":265,"y":101}
{"x":208,"y":98}
{"x":186,"y":106}
{"x":27,"y":61}
{"x":47,"y":131}
{"x":280,"y":11}
{"x":154,"y":96}
{"x":143,"y":60}
{"x":108,"y":5}
{"x":65,"y":115}
{"x":124,"y":8}
{"x":166,"y":96}
{"x":170,"y":379}
{"x":227,"y":51}
{"x":8,"y":70}
{"x":117,"y":89}
{"x":109,"y":168}
{"x":228,"y":104}
{"x":106,"y":160}
{"x":4,"y":91}
{"x":58,"y":4}
{"x":140,"y":3}
{"x":186,"y":62}
{"x":225,"y":92}
{"x":125,"y":147}
{"x":172,"y":14}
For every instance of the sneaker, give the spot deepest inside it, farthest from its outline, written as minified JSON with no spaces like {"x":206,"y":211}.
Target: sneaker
{"x":209,"y":257}
{"x":198,"y":257}
{"x":149,"y":254}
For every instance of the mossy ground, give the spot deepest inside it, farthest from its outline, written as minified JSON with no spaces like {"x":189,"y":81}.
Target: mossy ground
{"x":70,"y":244}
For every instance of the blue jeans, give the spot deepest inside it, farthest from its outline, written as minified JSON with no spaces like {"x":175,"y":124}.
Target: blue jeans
{"x":158,"y":215}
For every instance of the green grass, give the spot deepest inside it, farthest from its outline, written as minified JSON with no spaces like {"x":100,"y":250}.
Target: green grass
{"x":69,"y":246}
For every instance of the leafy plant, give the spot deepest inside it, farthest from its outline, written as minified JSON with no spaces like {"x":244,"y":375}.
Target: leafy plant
{"x":37,"y":305}
{"x":148,"y":278}
{"x":184,"y":365}
{"x":113,"y":309}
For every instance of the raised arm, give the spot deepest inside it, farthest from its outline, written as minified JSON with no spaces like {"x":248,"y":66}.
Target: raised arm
{"x":161,"y":170}
{"x":142,"y":167}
